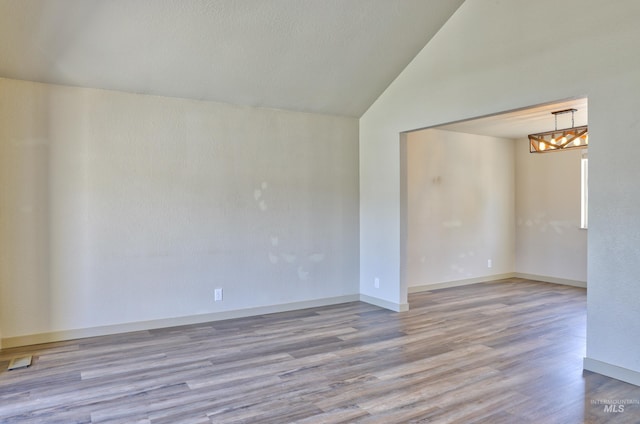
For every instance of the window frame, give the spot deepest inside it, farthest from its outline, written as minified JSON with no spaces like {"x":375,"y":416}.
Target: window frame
{"x":584,"y":192}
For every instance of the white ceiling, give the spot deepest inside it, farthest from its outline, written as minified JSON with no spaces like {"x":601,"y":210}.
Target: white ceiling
{"x":324,"y":56}
{"x":520,"y":123}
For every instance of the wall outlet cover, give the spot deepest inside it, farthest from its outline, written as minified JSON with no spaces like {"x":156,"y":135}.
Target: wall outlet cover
{"x":217,"y":295}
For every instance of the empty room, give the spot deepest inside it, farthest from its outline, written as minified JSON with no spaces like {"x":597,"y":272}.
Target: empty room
{"x":319,"y":211}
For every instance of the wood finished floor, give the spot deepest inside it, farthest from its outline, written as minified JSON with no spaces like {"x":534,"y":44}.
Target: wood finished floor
{"x":499,"y":352}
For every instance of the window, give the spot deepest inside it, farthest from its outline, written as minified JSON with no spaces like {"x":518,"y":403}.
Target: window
{"x":584,"y":196}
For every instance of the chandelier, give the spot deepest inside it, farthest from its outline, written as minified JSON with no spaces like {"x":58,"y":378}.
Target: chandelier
{"x":558,"y":140}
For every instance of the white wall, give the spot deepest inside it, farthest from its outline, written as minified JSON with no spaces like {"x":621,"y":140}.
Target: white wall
{"x":490,"y":57}
{"x":120,"y":208}
{"x":471,"y":198}
{"x":460,"y":207}
{"x":549,"y":241}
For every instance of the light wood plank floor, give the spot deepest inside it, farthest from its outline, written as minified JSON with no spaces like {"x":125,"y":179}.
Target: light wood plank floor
{"x":499,"y":352}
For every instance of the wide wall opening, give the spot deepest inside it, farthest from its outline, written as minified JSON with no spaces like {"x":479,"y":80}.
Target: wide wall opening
{"x":478,"y":206}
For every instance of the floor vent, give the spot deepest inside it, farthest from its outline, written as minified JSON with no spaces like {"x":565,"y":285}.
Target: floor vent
{"x":20,"y":362}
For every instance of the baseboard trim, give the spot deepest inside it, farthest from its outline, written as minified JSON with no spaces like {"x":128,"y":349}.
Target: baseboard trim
{"x":613,"y":371}
{"x":534,"y":277}
{"x":456,"y":283}
{"x":554,"y":280}
{"x":57,"y":336}
{"x":376,"y":301}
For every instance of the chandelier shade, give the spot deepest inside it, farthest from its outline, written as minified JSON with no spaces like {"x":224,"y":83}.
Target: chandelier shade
{"x":558,"y":140}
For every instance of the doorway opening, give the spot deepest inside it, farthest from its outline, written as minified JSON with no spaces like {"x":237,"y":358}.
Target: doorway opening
{"x":477,"y":206}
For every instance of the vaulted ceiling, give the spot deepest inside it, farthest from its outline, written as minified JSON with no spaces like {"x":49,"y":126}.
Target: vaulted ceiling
{"x":324,"y":56}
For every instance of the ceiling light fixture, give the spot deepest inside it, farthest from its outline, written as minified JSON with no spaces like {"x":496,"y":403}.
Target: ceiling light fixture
{"x":558,"y":140}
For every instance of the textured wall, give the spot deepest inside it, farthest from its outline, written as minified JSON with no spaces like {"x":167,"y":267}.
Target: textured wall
{"x":486,"y":60}
{"x":460,"y":206}
{"x":549,"y":241}
{"x":119,"y":208}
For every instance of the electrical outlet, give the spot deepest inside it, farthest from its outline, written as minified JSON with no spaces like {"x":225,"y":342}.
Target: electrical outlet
{"x":217,"y":295}
{"x":489,"y":263}
{"x":376,"y":282}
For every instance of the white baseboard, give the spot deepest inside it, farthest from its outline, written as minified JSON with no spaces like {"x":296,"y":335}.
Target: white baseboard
{"x":456,"y":283}
{"x":397,"y":307}
{"x":554,"y":280}
{"x":534,"y":277}
{"x":613,"y":371}
{"x":57,"y":336}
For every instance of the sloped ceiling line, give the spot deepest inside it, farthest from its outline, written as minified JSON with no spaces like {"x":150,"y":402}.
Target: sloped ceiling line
{"x":323,"y":56}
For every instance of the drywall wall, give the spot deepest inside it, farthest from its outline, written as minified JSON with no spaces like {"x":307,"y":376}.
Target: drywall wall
{"x":485,"y":60}
{"x":460,"y":207}
{"x":549,"y":240}
{"x":120,"y":208}
{"x":461,"y":210}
